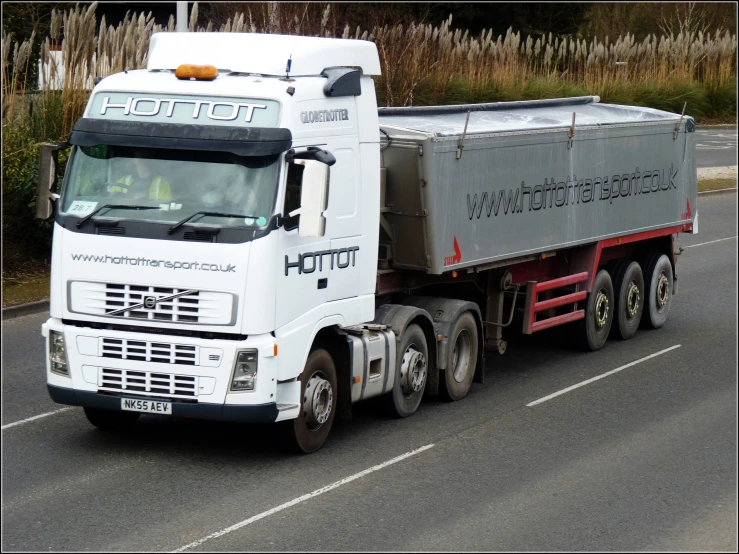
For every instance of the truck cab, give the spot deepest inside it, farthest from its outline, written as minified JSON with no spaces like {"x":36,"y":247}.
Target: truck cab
{"x":219,"y":209}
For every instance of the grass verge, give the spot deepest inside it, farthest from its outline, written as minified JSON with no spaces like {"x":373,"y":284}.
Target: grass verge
{"x":24,"y":288}
{"x":705,"y":185}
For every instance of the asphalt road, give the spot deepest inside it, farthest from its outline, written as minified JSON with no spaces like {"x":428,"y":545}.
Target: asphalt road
{"x":716,"y":147}
{"x":642,"y":459}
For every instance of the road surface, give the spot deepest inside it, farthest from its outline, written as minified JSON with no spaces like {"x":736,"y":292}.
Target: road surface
{"x":643,"y":459}
{"x":715,"y":147}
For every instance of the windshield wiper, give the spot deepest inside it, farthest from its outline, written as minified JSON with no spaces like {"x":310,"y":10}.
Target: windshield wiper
{"x":179,"y":224}
{"x":82,"y":221}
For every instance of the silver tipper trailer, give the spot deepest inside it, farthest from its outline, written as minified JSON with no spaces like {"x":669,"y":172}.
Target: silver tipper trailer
{"x":469,"y":185}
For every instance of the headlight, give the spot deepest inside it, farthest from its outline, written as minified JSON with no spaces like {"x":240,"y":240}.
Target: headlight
{"x":58,"y":353}
{"x":245,"y":371}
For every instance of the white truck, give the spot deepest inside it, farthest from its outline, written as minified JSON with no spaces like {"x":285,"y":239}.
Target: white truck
{"x":241,"y":235}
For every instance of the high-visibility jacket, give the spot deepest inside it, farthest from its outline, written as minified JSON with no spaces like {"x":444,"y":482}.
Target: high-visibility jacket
{"x":160,"y":188}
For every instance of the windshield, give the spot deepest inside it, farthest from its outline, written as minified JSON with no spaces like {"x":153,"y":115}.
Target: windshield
{"x":179,"y":183}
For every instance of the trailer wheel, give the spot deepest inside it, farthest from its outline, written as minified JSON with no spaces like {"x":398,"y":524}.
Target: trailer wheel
{"x":658,"y":277}
{"x":411,"y":372}
{"x":308,"y":432}
{"x":111,"y":420}
{"x":594,"y":329}
{"x":460,"y":368}
{"x":628,"y":286}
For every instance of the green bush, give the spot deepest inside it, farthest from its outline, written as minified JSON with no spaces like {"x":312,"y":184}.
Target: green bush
{"x":26,"y":240}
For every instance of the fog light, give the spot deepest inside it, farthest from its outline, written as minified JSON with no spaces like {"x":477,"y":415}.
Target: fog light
{"x":58,"y":353}
{"x":245,"y":371}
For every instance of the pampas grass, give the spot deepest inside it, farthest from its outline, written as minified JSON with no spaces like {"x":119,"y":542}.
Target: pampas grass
{"x":421,"y":64}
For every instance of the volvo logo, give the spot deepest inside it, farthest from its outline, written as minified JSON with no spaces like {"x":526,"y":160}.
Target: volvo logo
{"x":150,"y":302}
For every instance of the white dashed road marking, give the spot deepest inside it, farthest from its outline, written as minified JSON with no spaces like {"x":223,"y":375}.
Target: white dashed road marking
{"x":606,"y":374}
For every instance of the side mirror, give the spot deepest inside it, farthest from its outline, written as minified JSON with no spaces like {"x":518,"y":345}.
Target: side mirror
{"x":311,"y":153}
{"x":47,"y":179}
{"x":313,"y":198}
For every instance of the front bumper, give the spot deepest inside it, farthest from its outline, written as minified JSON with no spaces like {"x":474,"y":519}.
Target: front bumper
{"x":200,"y":389}
{"x":254,"y":413}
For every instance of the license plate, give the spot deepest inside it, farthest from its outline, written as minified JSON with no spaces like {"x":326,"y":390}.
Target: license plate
{"x":146,"y":406}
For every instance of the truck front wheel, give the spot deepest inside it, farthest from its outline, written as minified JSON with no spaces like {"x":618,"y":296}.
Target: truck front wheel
{"x":411,"y":371}
{"x":462,"y":362}
{"x":596,"y":326}
{"x":111,"y":420}
{"x":308,"y":432}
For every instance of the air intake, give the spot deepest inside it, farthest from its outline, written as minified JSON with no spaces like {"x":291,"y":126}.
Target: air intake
{"x":110,"y":230}
{"x":200,"y":236}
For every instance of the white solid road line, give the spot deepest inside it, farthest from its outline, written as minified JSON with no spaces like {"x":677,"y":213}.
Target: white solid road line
{"x":22,"y":421}
{"x":710,"y":242}
{"x":606,"y":374}
{"x":305,"y":497}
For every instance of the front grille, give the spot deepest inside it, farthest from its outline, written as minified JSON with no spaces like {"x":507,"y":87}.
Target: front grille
{"x":182,"y":308}
{"x":152,"y":303}
{"x":146,"y":351}
{"x":149,"y":383}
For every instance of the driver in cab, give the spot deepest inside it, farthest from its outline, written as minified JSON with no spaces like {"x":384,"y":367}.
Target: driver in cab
{"x":143,"y":182}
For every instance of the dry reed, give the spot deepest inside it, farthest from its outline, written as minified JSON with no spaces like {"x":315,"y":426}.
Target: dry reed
{"x":420,"y":63}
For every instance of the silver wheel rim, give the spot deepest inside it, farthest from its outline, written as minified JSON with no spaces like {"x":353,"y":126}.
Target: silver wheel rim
{"x":461,"y":356}
{"x":663,"y":291}
{"x":633,"y":298}
{"x":317,"y":401}
{"x":412,"y":371}
{"x":601,"y":309}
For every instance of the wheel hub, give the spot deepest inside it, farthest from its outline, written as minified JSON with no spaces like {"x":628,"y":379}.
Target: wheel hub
{"x":601,"y":309}
{"x":412,"y":371}
{"x":633,"y":297}
{"x":317,"y":401}
{"x":663,"y":290}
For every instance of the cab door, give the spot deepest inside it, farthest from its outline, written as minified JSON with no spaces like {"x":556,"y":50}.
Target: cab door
{"x":304,"y":262}
{"x":344,"y":221}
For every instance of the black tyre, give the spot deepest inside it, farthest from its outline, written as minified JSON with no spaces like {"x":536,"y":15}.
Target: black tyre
{"x":111,"y":420}
{"x":628,"y":287}
{"x":411,"y":372}
{"x":594,"y":329}
{"x":460,"y":368}
{"x":658,"y":286}
{"x":308,"y":432}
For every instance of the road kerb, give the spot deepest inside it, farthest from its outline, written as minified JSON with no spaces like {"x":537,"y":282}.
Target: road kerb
{"x":717,"y":192}
{"x":26,"y":309}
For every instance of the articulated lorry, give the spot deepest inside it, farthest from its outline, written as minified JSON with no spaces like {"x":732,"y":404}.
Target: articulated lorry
{"x":242,"y":235}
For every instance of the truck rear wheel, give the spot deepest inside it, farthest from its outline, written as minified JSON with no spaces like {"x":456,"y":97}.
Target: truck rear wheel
{"x":411,"y":372}
{"x":658,"y":277}
{"x":460,"y":368}
{"x":596,"y":326}
{"x":308,"y":432}
{"x":628,"y":286}
{"x":111,"y":420}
